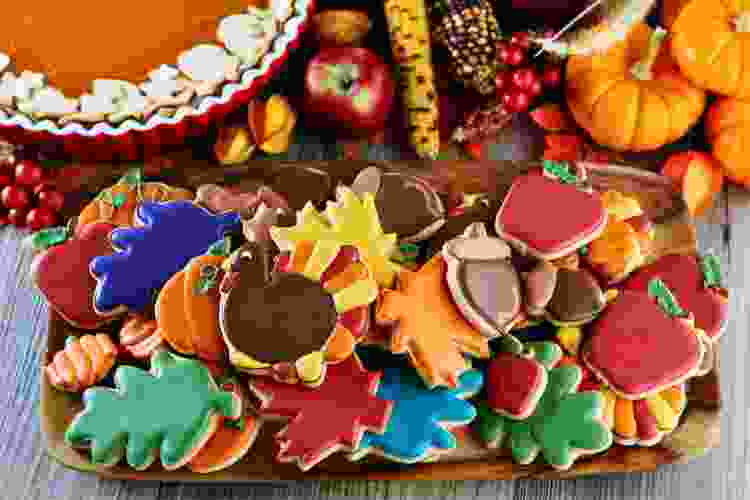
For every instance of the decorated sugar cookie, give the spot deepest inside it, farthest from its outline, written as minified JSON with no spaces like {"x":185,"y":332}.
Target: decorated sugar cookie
{"x":549,"y":213}
{"x":396,"y":194}
{"x":332,"y":417}
{"x":483,"y":283}
{"x":427,"y":326}
{"x":564,"y":425}
{"x":140,"y":337}
{"x":227,"y":447}
{"x":187,"y":309}
{"x":146,"y":257}
{"x":350,"y":220}
{"x":300,"y":185}
{"x":421,"y":419}
{"x":643,"y":343}
{"x":292,"y":322}
{"x":62,"y":275}
{"x":169,"y":413}
{"x":566,"y":296}
{"x":219,"y":199}
{"x":644,"y":422}
{"x":83,"y":362}
{"x":516,"y":380}
{"x":696,"y":284}
{"x":117,"y":204}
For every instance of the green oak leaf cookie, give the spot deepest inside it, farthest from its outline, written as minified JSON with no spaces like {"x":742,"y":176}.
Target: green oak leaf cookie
{"x":173,"y":410}
{"x":564,"y":425}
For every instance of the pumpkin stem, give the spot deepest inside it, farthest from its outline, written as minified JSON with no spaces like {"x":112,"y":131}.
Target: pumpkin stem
{"x":741,"y":22}
{"x":642,"y":69}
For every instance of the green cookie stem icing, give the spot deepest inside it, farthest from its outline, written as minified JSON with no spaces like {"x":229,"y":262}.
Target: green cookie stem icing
{"x":221,"y":248}
{"x":560,"y":171}
{"x":664,"y":297}
{"x":46,"y":238}
{"x":168,"y":410}
{"x":711,"y":271}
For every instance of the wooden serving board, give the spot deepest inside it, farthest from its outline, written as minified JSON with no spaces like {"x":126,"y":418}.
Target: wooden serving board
{"x":697,"y":433}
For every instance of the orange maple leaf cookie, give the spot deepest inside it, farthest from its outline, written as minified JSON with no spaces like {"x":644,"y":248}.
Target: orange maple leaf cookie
{"x":428,"y":326}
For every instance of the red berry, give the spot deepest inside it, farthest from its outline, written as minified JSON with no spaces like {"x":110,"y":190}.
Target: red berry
{"x":42,"y":186}
{"x":40,"y":217}
{"x":535,"y":89}
{"x":14,"y":197}
{"x":17,"y":217}
{"x":501,"y":81}
{"x":521,"y":39}
{"x":28,"y":173}
{"x":514,"y":56}
{"x":6,"y":178}
{"x":51,"y":199}
{"x":516,"y":100}
{"x":524,"y":78}
{"x":4,"y":220}
{"x":474,"y":149}
{"x":551,"y":76}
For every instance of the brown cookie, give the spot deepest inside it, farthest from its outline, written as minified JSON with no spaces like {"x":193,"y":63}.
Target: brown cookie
{"x":577,"y":298}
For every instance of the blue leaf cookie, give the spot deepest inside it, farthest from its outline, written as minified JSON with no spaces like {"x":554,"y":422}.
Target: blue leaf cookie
{"x":420,"y":417}
{"x":147,"y":256}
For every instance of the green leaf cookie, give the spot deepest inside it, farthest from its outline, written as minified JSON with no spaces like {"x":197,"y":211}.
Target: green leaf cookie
{"x":564,"y":425}
{"x":173,"y":410}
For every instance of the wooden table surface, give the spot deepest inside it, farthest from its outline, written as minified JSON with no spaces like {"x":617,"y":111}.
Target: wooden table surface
{"x":26,"y":472}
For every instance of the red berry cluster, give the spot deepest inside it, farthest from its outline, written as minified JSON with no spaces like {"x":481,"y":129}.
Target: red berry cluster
{"x":25,"y":199}
{"x":520,"y":83}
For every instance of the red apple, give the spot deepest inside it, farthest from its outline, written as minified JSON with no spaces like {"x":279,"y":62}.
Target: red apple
{"x":39,"y":218}
{"x":28,"y":173}
{"x":51,"y":199}
{"x":349,"y":88}
{"x":14,"y":197}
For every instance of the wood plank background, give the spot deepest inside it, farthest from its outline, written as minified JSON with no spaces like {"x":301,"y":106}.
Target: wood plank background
{"x":27,"y":473}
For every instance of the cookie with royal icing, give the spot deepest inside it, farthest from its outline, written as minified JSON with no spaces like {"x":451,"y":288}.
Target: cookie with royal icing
{"x":686,"y":276}
{"x":425,"y":324}
{"x":420,"y":422}
{"x":117,"y":204}
{"x":169,"y":235}
{"x":61,"y":273}
{"x":170,"y":412}
{"x":483,"y":282}
{"x":568,"y":218}
{"x":220,"y":199}
{"x":332,"y":417}
{"x":139,"y":336}
{"x":84,"y":362}
{"x":638,"y":348}
{"x":577,"y":298}
{"x":290,"y":323}
{"x":396,"y":194}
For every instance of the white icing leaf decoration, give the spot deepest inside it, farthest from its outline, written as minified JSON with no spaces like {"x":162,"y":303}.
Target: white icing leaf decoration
{"x":51,"y":101}
{"x":159,"y":89}
{"x":163,"y":72}
{"x":207,"y":63}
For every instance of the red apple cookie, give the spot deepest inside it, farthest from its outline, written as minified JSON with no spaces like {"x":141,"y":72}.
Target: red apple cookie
{"x":484,"y":284}
{"x":396,"y":194}
{"x":684,"y":275}
{"x":292,"y":322}
{"x":638,"y":349}
{"x":62,"y":275}
{"x":514,"y":385}
{"x":548,"y":218}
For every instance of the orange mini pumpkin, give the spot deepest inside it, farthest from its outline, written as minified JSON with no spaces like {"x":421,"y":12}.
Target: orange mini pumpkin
{"x":727,"y":128}
{"x":711,"y":44}
{"x":632,"y":97}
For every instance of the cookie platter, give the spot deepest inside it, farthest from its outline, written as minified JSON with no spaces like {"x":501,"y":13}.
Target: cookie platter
{"x":132,"y":111}
{"x":475,"y":199}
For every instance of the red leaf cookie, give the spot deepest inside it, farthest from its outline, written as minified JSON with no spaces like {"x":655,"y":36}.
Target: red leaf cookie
{"x":637,"y":349}
{"x":327,"y":419}
{"x":684,"y":276}
{"x":428,"y":326}
{"x":62,"y":275}
{"x":572,"y":218}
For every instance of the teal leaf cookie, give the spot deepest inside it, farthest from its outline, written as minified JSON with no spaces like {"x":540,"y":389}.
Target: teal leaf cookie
{"x":564,"y":425}
{"x":419,"y":422}
{"x":170,"y":412}
{"x":172,"y":233}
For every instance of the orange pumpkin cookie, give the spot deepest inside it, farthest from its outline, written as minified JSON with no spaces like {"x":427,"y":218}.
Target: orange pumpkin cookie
{"x":117,"y":203}
{"x":428,"y":326}
{"x":187,"y":309}
{"x":83,"y":362}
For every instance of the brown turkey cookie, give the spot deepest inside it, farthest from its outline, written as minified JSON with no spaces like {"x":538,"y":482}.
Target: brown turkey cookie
{"x":398,"y":194}
{"x":291,"y":321}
